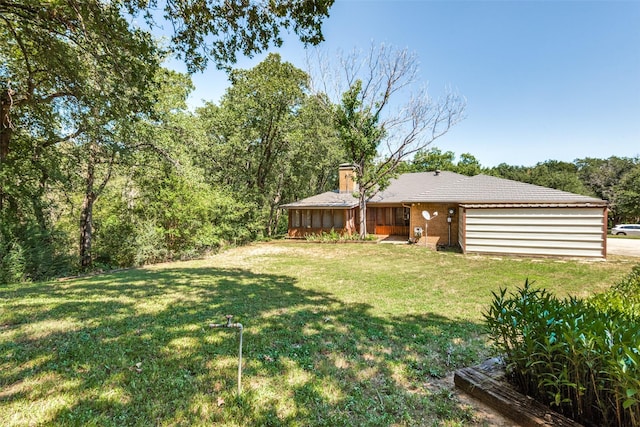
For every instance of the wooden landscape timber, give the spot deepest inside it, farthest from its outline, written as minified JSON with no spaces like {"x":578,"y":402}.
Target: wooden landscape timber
{"x":486,"y":383}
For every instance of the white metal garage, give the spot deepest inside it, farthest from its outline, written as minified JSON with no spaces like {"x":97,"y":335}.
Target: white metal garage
{"x":548,"y":230}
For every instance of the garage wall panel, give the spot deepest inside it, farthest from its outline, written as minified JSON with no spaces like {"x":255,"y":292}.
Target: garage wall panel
{"x":535,"y":231}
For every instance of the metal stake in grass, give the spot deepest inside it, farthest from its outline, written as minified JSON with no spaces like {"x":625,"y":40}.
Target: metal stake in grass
{"x":239,"y":326}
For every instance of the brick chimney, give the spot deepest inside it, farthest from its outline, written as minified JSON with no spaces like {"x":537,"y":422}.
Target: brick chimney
{"x":347,"y":178}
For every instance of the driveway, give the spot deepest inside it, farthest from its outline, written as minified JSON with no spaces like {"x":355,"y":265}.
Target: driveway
{"x":627,"y":247}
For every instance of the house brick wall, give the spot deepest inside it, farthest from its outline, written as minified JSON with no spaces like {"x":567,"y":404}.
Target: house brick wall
{"x":438,"y":227}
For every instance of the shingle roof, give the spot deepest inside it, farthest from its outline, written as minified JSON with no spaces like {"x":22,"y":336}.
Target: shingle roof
{"x":490,"y":189}
{"x":449,"y":187}
{"x":408,"y":185}
{"x":330,"y":199}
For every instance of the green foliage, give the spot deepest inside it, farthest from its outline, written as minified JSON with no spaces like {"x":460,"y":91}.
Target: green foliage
{"x":268,"y":141}
{"x":360,"y":133}
{"x":359,"y":129}
{"x":578,"y":356}
{"x":551,"y":173}
{"x":335,"y":237}
{"x":79,"y":106}
{"x":149,"y":245}
{"x":433,"y":158}
{"x":627,"y":194}
{"x":59,"y":66}
{"x":603,"y":177}
{"x":178,"y":218}
{"x":12,"y":263}
{"x":624,"y":297}
{"x":219,"y":31}
{"x":30,"y":253}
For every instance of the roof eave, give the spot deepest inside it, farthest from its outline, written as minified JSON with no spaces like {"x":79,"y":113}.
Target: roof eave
{"x":555,"y":204}
{"x":318,"y":206}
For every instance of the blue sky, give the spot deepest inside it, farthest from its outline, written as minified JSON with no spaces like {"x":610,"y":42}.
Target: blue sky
{"x":543,"y":80}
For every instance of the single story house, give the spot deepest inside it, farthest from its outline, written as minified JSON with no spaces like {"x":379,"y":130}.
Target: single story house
{"x":480,"y":214}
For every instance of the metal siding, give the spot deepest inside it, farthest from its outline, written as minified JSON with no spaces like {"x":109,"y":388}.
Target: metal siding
{"x":461,"y":229}
{"x":536,"y":231}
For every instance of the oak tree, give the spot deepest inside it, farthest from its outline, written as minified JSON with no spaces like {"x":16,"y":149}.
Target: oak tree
{"x":263,"y":134}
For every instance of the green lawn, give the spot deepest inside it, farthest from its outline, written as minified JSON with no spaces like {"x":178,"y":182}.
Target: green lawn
{"x":335,"y":334}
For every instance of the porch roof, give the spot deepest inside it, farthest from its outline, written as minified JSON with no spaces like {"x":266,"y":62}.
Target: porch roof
{"x":330,"y":199}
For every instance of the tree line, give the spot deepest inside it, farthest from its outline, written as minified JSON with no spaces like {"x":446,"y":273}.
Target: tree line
{"x":101,"y":162}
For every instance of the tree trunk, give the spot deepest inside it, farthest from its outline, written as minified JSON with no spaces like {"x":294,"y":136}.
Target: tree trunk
{"x":362,"y":199}
{"x":5,"y":132}
{"x":274,"y":211}
{"x":86,"y":213}
{"x":5,"y":123}
{"x":86,"y":231}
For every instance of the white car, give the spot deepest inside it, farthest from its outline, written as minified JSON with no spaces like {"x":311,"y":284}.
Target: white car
{"x":626,"y":229}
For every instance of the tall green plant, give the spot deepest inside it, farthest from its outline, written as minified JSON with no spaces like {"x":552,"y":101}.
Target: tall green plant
{"x":580,"y":357}
{"x":29,"y":252}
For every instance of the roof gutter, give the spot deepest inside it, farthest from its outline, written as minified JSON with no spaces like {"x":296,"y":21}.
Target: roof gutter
{"x":532,"y":205}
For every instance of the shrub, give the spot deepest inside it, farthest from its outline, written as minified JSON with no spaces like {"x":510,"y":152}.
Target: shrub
{"x":31,"y":253}
{"x":623,"y":297}
{"x":335,"y":237}
{"x":581,"y":357}
{"x":12,"y":263}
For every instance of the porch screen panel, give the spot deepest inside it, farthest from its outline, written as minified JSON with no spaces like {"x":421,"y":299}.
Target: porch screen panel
{"x":398,"y":216}
{"x":306,"y":218}
{"x":327,"y":219}
{"x":317,"y":219}
{"x":295,"y":218}
{"x":384,"y":216}
{"x":338,"y":218}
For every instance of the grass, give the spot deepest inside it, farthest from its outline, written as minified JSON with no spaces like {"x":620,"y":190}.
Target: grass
{"x":615,"y":236}
{"x":335,"y":335}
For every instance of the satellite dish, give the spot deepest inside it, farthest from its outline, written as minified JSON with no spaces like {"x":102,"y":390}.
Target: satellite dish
{"x":427,"y":216}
